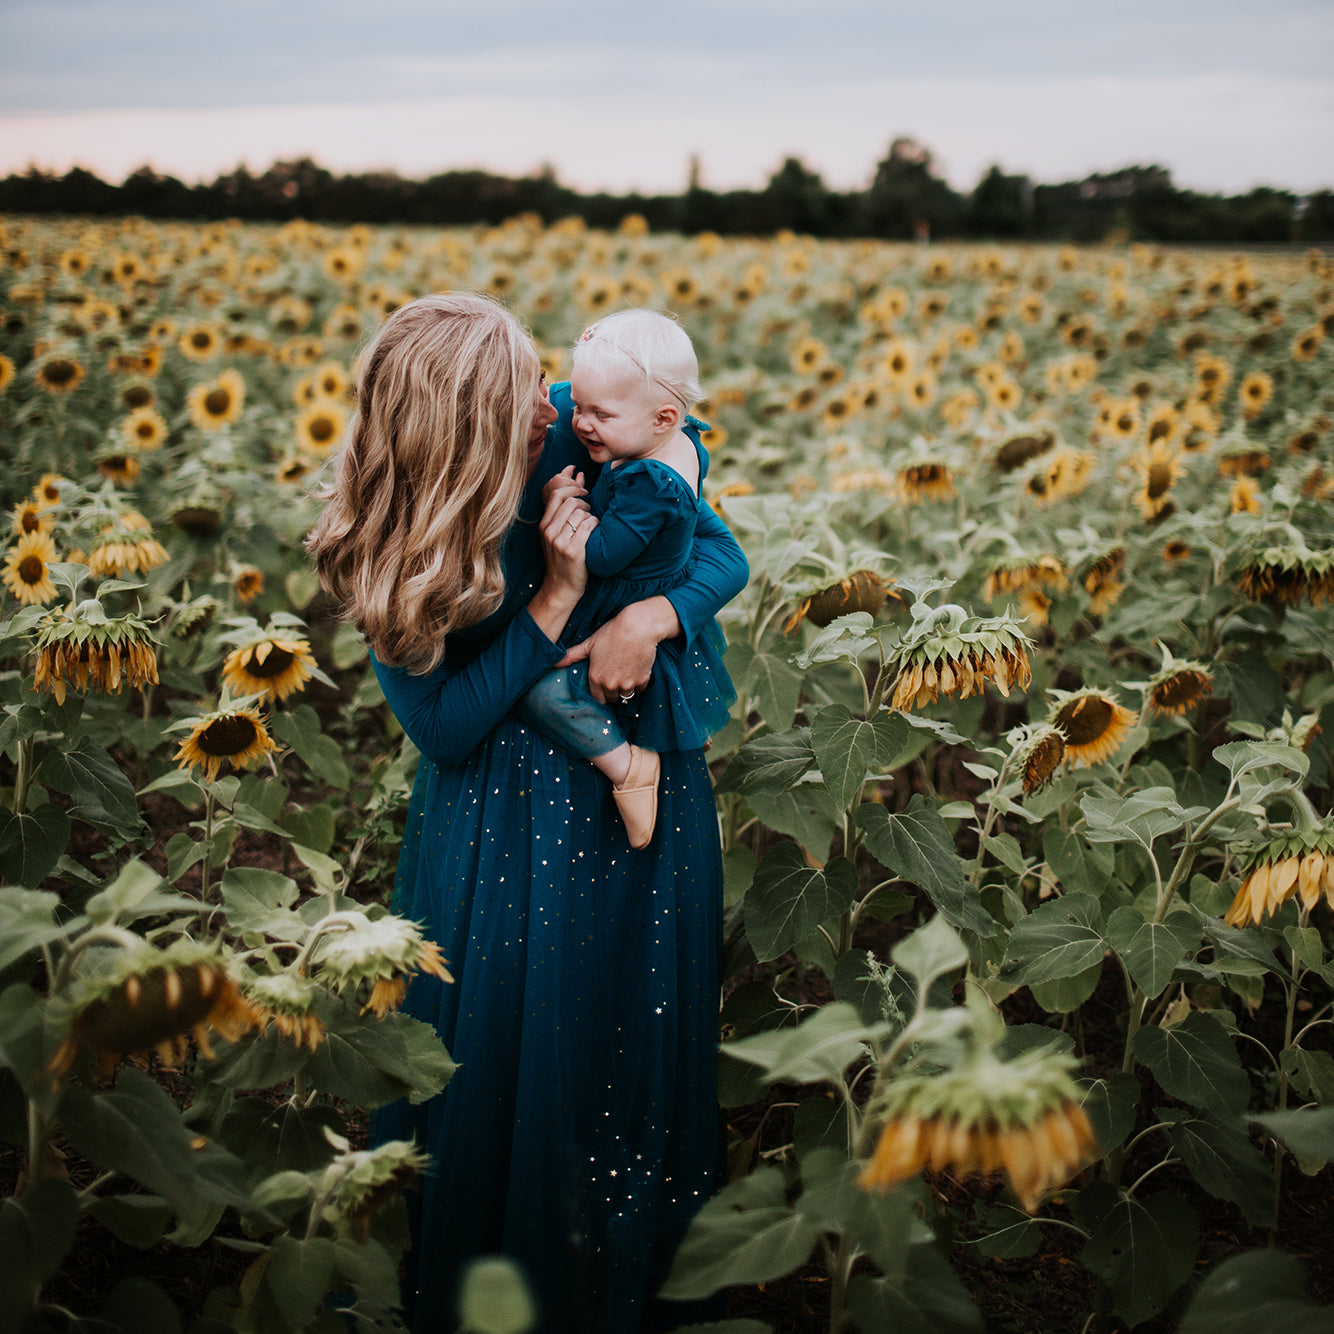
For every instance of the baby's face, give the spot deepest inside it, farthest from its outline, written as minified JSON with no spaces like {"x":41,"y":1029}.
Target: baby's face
{"x":613,"y":418}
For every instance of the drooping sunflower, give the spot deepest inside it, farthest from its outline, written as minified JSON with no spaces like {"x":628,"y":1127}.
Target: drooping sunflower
{"x":1297,"y":865}
{"x":1093,"y":723}
{"x":288,"y":1000}
{"x":1254,"y":393}
{"x":120,"y":466}
{"x":1282,"y":575}
{"x":26,"y":574}
{"x":1103,"y":581}
{"x":1038,"y":756}
{"x":1024,"y":574}
{"x":151,"y":1001}
{"x":1023,"y":1118}
{"x":862,"y":590}
{"x":144,"y":428}
{"x":320,"y":427}
{"x":1177,"y":687}
{"x":59,"y":373}
{"x":248,"y":583}
{"x":925,"y":481}
{"x":234,"y":735}
{"x":83,"y":647}
{"x":126,"y":547}
{"x":378,"y":957}
{"x":272,"y":667}
{"x":947,"y":652}
{"x":1161,"y":467}
{"x":1066,"y":473}
{"x":1016,"y":450}
{"x":292,"y":469}
{"x":217,"y":403}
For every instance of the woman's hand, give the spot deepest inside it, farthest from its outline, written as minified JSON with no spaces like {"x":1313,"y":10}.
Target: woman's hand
{"x":621,"y":653}
{"x":565,"y":526}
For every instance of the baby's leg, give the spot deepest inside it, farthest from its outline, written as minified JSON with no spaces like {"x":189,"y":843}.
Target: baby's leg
{"x":560,"y":707}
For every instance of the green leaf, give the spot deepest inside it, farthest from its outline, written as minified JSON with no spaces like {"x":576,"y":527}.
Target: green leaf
{"x":1307,"y":1131}
{"x":930,"y":952}
{"x":845,"y":638}
{"x":494,"y":1298}
{"x":1257,"y":1292}
{"x":1310,"y":1072}
{"x":770,"y":764}
{"x":788,"y":898}
{"x":845,"y":749}
{"x":1224,"y":1161}
{"x":1006,"y":850}
{"x":298,"y":1277}
{"x":301,"y":586}
{"x":135,"y":883}
{"x":747,"y":1233}
{"x":771,"y":681}
{"x":1245,"y":757}
{"x":100,"y":792}
{"x":1139,"y":818}
{"x":31,"y":843}
{"x":138,"y":1220}
{"x":1010,"y":1235}
{"x":1152,"y":950}
{"x":285,"y":1136}
{"x":255,"y":899}
{"x":27,"y":922}
{"x":312,"y":827}
{"x":303,"y":732}
{"x":1144,"y":1251}
{"x":1080,"y":866}
{"x":1057,"y":940}
{"x":917,"y":846}
{"x":36,"y":1232}
{"x":1062,"y":995}
{"x":820,"y":1048}
{"x":374,"y":1061}
{"x":927,"y":1297}
{"x":1196,"y":1062}
{"x":805,"y":814}
{"x":1111,"y":1105}
{"x":137,"y":1306}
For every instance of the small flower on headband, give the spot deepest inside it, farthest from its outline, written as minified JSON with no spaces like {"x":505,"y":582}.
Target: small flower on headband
{"x":588,"y":333}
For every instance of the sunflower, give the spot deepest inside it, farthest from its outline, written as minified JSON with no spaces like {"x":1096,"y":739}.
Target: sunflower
{"x":862,"y":590}
{"x":1103,"y":582}
{"x":1023,"y":1118}
{"x":237,"y":735}
{"x":150,"y":1001}
{"x":1212,"y":376}
{"x":200,"y":342}
{"x":1161,"y":466}
{"x":343,"y":263}
{"x":1254,"y":393}
{"x":273,"y":668}
{"x":320,"y":427}
{"x":288,"y":1000}
{"x":58,"y":373}
{"x":292,"y":469}
{"x":144,"y":428}
{"x":1038,"y":757}
{"x":379,"y":956}
{"x":1281,"y":576}
{"x":1306,"y":345}
{"x":1004,"y":395}
{"x":1178,"y":687}
{"x":1164,"y":424}
{"x":807,"y":355}
{"x":1093,"y":723}
{"x":7,"y":373}
{"x":1025,"y":574}
{"x":30,"y":517}
{"x":137,"y":394}
{"x":47,"y":491}
{"x":26,"y":574}
{"x":75,"y":262}
{"x":126,"y":547}
{"x":948,"y":652}
{"x":217,"y":403}
{"x":1245,"y":497}
{"x":82,"y":646}
{"x":343,"y":323}
{"x":1067,"y":473}
{"x":1296,"y":865}
{"x":119,"y":466}
{"x":920,"y":482}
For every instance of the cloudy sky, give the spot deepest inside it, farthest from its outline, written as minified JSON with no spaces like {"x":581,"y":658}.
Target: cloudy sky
{"x":619,"y":94}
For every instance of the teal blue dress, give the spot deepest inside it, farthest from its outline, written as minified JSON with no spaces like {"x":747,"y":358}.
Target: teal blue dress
{"x":643,"y":546}
{"x":580,"y":1133}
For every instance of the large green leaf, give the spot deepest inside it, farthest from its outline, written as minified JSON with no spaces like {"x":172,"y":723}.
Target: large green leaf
{"x":31,"y":843}
{"x":274,"y":1137}
{"x":748,"y":1233}
{"x":770,"y":680}
{"x":770,"y":764}
{"x":1079,"y":864}
{"x":255,"y":899}
{"x":1307,"y":1131}
{"x":100,"y":792}
{"x":1143,"y":1250}
{"x":298,"y":1277}
{"x":27,"y":922}
{"x":847,"y":748}
{"x":1152,"y":950}
{"x":301,"y":729}
{"x":789,"y":898}
{"x":805,"y":814}
{"x":1196,"y":1062}
{"x":927,"y":1298}
{"x":137,"y":1306}
{"x":930,"y":952}
{"x":1223,"y":1160}
{"x":36,"y":1232}
{"x":1139,"y":818}
{"x":1059,"y":939}
{"x":1111,"y":1104}
{"x":137,"y":1220}
{"x":916,"y":845}
{"x":372,"y":1062}
{"x":820,"y":1048}
{"x":1257,"y":1292}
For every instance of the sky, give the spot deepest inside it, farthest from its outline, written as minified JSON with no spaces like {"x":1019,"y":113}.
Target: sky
{"x":622,"y":94}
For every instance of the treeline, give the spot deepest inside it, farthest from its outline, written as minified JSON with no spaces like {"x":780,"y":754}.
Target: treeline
{"x":906,"y":199}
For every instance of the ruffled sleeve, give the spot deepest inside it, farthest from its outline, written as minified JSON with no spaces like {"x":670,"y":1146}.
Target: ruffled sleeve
{"x":643,"y":499}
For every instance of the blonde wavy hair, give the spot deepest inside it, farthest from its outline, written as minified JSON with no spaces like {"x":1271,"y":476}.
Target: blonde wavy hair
{"x":429,"y":475}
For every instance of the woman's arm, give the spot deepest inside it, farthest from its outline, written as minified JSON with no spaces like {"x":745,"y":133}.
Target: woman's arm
{"x":719,"y":573}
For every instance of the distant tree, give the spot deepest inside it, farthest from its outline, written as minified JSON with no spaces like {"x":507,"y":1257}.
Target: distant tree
{"x":797,"y":198}
{"x":906,"y":198}
{"x":1315,"y":218}
{"x":1000,"y":206}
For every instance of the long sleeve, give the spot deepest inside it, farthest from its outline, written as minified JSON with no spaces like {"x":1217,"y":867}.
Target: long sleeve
{"x":625,"y":529}
{"x":719,"y":573}
{"x":449,"y":711}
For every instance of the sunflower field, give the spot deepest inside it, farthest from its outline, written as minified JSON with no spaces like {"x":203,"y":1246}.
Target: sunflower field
{"x":1026,"y":800}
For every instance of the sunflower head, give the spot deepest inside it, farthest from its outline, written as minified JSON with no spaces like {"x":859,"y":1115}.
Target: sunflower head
{"x":59,"y":372}
{"x":26,"y":573}
{"x":47,"y":491}
{"x":82,"y":646}
{"x":1093,"y":724}
{"x":152,"y":1000}
{"x":234,"y":735}
{"x":272,"y":667}
{"x":1282,"y":575}
{"x":1177,"y":687}
{"x":126,"y":546}
{"x":1297,"y":865}
{"x":947,"y":652}
{"x":1016,"y":450}
{"x":190,"y":619}
{"x":1026,"y":574}
{"x":1103,"y":581}
{"x":1038,"y":756}
{"x":374,"y":959}
{"x":217,"y":403}
{"x":288,"y":999}
{"x":862,"y":590}
{"x":358,"y":1183}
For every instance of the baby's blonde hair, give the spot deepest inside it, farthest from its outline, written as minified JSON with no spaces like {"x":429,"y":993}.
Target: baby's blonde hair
{"x":642,"y":345}
{"x":429,"y":475}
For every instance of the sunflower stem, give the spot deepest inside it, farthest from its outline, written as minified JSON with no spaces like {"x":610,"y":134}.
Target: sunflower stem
{"x":1292,"y":989}
{"x":204,"y":862}
{"x":23,"y":775}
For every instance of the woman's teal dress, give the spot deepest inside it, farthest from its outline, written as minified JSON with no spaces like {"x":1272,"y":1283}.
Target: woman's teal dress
{"x":580,"y":1133}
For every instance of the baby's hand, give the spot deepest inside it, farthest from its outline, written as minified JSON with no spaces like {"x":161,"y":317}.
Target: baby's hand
{"x":566,"y":482}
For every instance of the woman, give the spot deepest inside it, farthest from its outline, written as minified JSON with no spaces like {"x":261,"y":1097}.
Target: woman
{"x":580,"y":1133}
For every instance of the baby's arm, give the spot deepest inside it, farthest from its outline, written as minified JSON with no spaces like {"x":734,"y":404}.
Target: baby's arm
{"x":633,"y":518}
